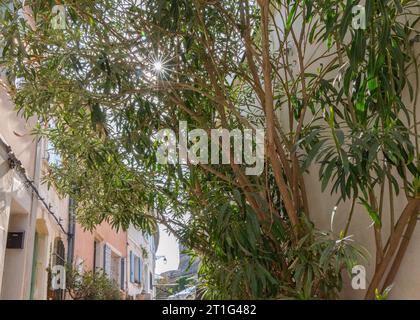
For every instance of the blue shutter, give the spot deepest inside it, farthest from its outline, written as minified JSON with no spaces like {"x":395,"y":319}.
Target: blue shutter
{"x":105,"y":251}
{"x":151,"y":280}
{"x":131,"y":267}
{"x":140,"y":270}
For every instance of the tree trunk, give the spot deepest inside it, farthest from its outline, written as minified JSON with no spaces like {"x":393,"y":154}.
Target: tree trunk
{"x":394,"y":241}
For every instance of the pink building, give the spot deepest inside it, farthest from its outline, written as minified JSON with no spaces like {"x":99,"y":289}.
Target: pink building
{"x":128,"y":258}
{"x":102,"y":249}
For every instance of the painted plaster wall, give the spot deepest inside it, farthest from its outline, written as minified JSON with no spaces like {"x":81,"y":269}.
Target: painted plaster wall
{"x":322,"y":204}
{"x":20,"y":212}
{"x":84,"y":242}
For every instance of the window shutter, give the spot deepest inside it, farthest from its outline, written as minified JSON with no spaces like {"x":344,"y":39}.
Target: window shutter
{"x":151,"y":281}
{"x":131,"y":267}
{"x":122,"y":272}
{"x":107,"y":260}
{"x":104,"y":265}
{"x":140,"y":270}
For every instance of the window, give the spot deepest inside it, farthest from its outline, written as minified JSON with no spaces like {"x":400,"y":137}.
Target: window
{"x":79,"y":265}
{"x":115,"y":268}
{"x":107,"y":259}
{"x":151,"y":281}
{"x":58,"y":260}
{"x":135,"y":268}
{"x":146,"y":278}
{"x":152,"y":243}
{"x":60,"y":253}
{"x":98,"y":256}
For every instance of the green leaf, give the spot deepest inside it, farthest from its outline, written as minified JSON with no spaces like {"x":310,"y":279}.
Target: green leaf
{"x":312,"y":154}
{"x":372,"y":213}
{"x":372,"y":84}
{"x":291,"y":15}
{"x":340,"y":136}
{"x":326,"y":175}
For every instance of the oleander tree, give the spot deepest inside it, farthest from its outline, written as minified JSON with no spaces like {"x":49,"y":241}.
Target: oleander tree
{"x":91,"y":285}
{"x":328,"y":92}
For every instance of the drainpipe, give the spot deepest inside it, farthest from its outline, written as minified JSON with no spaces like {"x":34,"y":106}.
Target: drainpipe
{"x":71,"y":232}
{"x":30,"y":239}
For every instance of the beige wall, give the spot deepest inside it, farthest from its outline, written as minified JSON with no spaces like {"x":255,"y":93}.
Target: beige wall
{"x":21,"y":211}
{"x":5,"y":202}
{"x":16,"y":132}
{"x":17,"y":200}
{"x":407,"y":281}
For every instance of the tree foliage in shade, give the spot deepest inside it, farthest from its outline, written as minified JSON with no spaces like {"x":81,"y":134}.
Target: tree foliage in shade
{"x":231,"y":64}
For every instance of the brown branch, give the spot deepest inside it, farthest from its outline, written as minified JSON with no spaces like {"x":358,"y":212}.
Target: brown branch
{"x":401,"y":252}
{"x":410,"y":209}
{"x":269,"y":111}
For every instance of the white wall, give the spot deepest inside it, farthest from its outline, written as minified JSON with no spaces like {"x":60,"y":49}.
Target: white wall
{"x":407,"y":281}
{"x":137,"y":241}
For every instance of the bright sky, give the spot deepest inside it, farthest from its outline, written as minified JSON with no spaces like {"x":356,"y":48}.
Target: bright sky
{"x":168,"y":247}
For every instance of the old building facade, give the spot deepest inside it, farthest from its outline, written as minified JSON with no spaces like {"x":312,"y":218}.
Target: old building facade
{"x":33,"y":217}
{"x":141,"y":264}
{"x":38,"y":228}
